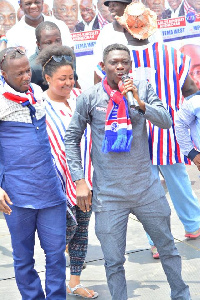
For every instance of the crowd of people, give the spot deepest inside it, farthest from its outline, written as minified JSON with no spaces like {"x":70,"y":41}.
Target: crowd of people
{"x":61,"y":148}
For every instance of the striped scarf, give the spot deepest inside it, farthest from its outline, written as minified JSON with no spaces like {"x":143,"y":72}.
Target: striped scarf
{"x":25,"y":98}
{"x":118,"y":127}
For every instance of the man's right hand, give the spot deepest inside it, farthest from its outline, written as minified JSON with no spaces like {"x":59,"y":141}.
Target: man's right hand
{"x":196,"y":161}
{"x":83,"y":195}
{"x":3,"y":199}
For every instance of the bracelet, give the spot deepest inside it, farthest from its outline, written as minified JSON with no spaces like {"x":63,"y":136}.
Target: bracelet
{"x":3,"y":39}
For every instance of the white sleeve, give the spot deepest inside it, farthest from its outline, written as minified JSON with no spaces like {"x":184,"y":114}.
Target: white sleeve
{"x":98,"y":54}
{"x":183,"y":120}
{"x":11,"y":38}
{"x":98,"y":49}
{"x":156,"y":37}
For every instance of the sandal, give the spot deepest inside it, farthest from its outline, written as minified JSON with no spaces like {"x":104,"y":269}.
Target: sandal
{"x":72,"y":290}
{"x":154,"y":252}
{"x":193,"y":235}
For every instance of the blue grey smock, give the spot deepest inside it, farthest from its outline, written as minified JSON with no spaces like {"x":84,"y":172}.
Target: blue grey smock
{"x":120,"y":180}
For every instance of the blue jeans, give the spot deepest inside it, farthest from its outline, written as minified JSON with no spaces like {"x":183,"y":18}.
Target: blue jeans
{"x":50,"y":224}
{"x":111,"y":228}
{"x":183,"y":198}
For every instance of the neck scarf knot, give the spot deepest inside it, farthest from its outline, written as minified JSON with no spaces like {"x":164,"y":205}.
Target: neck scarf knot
{"x":118,"y":127}
{"x":25,"y":99}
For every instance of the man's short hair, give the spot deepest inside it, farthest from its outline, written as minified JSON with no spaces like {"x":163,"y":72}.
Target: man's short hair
{"x":47,"y":25}
{"x":9,"y":53}
{"x":113,"y":47}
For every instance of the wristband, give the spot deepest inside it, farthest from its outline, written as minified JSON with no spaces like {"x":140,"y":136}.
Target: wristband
{"x":191,"y":155}
{"x":3,"y":39}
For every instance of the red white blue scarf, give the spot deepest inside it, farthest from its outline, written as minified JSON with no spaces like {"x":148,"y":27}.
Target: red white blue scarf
{"x":118,"y":127}
{"x":9,"y":93}
{"x":30,"y":99}
{"x":25,"y":99}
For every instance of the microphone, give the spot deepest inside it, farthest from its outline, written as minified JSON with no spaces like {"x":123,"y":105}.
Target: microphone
{"x":131,"y":100}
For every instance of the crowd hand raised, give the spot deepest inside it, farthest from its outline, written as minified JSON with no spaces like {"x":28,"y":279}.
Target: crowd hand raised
{"x":196,"y":161}
{"x":3,"y":199}
{"x":83,"y":195}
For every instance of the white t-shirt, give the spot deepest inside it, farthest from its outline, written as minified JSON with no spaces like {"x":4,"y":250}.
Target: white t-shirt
{"x":109,"y":35}
{"x":22,"y":34}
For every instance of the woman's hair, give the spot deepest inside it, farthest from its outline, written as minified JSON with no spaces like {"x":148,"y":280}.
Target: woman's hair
{"x":53,"y":57}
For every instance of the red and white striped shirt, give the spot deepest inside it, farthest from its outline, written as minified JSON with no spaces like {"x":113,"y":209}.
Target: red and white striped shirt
{"x":166,"y":69}
{"x":58,"y":117}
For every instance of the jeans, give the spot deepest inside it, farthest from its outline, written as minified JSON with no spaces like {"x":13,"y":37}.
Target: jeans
{"x":184,"y":200}
{"x":50,"y":224}
{"x":111,"y":228}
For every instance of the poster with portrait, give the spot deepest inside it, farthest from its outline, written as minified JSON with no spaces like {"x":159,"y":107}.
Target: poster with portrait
{"x":7,"y":16}
{"x":178,"y":21}
{"x":85,"y":19}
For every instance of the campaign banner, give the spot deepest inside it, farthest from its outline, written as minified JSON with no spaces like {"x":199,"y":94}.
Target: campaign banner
{"x":183,"y":27}
{"x":178,"y":21}
{"x":84,"y":42}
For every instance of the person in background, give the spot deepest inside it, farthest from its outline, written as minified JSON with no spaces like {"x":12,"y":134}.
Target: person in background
{"x":114,"y":32}
{"x":7,"y":21}
{"x":175,"y":10}
{"x":193,"y":51}
{"x":47,"y":33}
{"x":46,"y":10}
{"x":158,"y":6}
{"x":31,"y":195}
{"x":20,"y":14}
{"x":104,"y":16}
{"x":67,"y":11}
{"x":187,"y":126}
{"x":23,"y":32}
{"x":89,"y":17}
{"x":60,"y":102}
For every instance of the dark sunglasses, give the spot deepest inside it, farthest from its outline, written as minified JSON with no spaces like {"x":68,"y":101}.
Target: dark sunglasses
{"x":20,"y":50}
{"x":58,"y":59}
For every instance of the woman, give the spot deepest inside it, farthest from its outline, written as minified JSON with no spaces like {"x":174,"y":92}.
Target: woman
{"x":60,"y":102}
